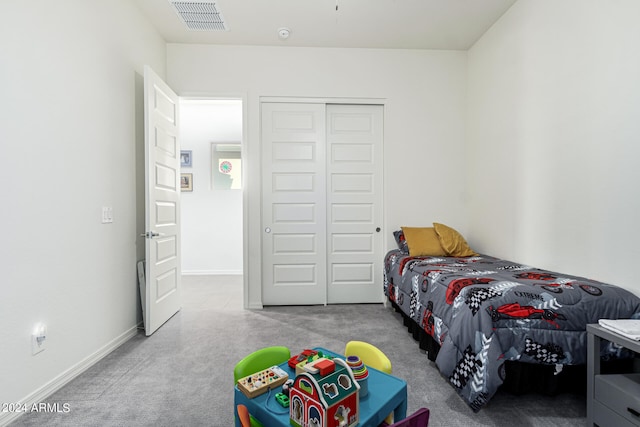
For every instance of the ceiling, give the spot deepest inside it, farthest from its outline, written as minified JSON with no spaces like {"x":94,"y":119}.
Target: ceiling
{"x":388,"y":24}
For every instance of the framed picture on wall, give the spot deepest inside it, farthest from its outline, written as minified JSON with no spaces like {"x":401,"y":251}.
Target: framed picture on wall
{"x":186,"y":182}
{"x":185,"y":158}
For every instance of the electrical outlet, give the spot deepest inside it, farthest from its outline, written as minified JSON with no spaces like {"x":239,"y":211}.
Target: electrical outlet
{"x":38,"y":338}
{"x":107,"y":214}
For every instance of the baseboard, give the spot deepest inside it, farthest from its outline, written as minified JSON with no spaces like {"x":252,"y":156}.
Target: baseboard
{"x":212,"y":272}
{"x":61,"y":380}
{"x":256,"y":306}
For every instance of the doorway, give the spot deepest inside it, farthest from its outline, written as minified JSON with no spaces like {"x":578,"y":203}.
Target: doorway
{"x":212,"y":215}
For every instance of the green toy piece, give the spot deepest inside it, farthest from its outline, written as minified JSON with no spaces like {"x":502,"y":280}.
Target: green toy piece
{"x":282,"y":399}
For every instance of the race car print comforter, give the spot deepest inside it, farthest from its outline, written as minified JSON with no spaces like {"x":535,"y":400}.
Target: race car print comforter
{"x":483,"y":311}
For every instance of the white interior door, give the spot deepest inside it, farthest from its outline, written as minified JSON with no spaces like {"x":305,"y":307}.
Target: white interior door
{"x":354,"y":203}
{"x":294,"y":204}
{"x":162,"y":197}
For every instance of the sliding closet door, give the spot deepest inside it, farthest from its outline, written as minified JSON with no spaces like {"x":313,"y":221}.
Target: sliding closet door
{"x":354,"y":203}
{"x":294,"y":223}
{"x":321,"y":203}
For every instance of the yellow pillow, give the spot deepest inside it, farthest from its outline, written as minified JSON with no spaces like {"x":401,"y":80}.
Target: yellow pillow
{"x":452,"y":242}
{"x":423,"y":241}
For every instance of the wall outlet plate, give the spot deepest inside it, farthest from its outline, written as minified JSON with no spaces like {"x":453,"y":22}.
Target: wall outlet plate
{"x":107,"y":214}
{"x":38,"y":338}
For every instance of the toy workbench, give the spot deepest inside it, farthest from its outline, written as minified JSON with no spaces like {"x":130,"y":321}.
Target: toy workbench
{"x":258,"y":383}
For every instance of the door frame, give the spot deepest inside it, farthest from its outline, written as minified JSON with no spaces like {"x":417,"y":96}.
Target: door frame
{"x":252,"y":210}
{"x":323,"y":100}
{"x":243,"y":97}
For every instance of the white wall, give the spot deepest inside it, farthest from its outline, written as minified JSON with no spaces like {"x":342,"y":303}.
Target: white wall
{"x":70,"y":141}
{"x":211,"y":218}
{"x":553,"y":126}
{"x":550,"y":122}
{"x":425,"y":94}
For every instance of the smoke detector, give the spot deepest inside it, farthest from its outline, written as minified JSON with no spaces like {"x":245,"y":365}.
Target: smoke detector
{"x":200,"y":15}
{"x":283,"y":33}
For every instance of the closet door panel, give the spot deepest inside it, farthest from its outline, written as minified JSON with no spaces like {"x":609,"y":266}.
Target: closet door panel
{"x":294,"y":223}
{"x":354,"y":203}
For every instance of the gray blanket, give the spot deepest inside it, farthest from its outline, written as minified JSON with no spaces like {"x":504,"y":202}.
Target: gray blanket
{"x":483,"y":311}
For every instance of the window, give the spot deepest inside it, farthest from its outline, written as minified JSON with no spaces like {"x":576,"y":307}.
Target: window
{"x":226,"y":166}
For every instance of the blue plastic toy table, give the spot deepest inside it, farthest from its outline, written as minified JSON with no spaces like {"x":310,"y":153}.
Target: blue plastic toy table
{"x":386,"y":394}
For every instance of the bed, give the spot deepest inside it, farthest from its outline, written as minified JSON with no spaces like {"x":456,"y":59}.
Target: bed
{"x":481,"y":318}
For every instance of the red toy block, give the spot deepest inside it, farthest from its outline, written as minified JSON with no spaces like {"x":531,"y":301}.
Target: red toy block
{"x":325,"y":367}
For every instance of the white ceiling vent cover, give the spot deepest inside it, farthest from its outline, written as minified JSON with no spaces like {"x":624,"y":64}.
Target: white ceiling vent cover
{"x":200,"y":16}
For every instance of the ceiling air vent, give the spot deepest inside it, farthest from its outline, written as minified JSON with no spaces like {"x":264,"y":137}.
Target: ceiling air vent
{"x":200,"y":16}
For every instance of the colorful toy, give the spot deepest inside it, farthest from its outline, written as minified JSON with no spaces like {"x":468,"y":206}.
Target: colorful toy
{"x":360,"y":373}
{"x":286,"y":386}
{"x":301,"y":357}
{"x":305,"y":365}
{"x":258,"y":383}
{"x":324,"y":367}
{"x":329,"y":400}
{"x":282,"y":399}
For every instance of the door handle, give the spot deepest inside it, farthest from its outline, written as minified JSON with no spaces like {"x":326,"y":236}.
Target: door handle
{"x":377,"y":229}
{"x":151,"y":234}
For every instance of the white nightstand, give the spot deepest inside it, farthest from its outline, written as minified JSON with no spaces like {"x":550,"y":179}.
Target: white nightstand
{"x":612,"y":400}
